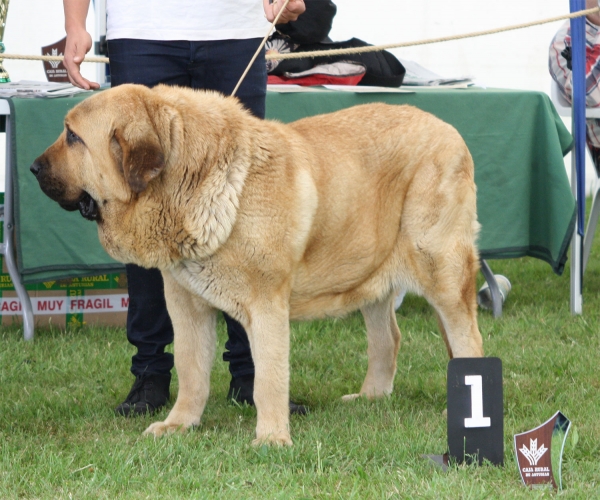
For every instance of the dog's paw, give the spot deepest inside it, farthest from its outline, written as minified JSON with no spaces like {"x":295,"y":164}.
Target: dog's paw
{"x":280,"y":439}
{"x":158,"y":429}
{"x":370,"y":394}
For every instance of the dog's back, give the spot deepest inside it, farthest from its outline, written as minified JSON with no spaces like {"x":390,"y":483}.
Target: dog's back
{"x":395,"y":194}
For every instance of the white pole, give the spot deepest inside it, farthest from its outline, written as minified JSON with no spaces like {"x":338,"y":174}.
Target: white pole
{"x":576,"y":244}
{"x":100,"y":13}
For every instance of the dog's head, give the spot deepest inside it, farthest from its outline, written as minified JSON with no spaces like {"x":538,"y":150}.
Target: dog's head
{"x":159,"y":168}
{"x":113,"y":145}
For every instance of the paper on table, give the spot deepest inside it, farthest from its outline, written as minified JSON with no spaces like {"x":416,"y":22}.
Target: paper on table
{"x":360,"y":89}
{"x":365,"y":89}
{"x":31,"y":88}
{"x":290,"y":88}
{"x":417,"y":75}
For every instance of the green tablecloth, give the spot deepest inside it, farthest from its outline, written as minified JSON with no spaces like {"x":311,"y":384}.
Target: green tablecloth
{"x":516,"y":138}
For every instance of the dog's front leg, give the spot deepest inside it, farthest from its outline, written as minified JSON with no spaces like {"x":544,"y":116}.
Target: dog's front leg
{"x":194,"y":325}
{"x":269,"y":335}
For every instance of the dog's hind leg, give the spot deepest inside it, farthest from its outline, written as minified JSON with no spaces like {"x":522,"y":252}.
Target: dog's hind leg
{"x":444,"y":334}
{"x":452,"y":295}
{"x":458,"y":325}
{"x":194,"y":324}
{"x":383,"y":342}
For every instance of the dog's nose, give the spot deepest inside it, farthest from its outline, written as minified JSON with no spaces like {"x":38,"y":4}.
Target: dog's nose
{"x":36,"y":167}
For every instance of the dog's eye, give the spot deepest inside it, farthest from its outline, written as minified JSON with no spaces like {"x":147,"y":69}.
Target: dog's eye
{"x":72,"y":137}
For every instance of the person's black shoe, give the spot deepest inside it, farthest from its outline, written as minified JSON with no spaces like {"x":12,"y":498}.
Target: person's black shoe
{"x":297,"y":408}
{"x":241,"y":390}
{"x":148,"y":394}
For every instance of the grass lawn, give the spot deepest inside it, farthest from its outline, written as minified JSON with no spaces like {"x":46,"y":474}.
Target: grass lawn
{"x":59,"y":437}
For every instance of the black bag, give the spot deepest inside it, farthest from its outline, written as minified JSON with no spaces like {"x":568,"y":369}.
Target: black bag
{"x":383,"y":69}
{"x":313,"y":25}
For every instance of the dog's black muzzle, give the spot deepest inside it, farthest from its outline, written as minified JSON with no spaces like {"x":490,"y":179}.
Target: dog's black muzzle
{"x":52,"y":188}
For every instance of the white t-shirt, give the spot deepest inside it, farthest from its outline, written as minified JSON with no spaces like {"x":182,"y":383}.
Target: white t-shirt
{"x":185,"y":19}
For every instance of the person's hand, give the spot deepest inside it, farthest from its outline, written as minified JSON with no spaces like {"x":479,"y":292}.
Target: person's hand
{"x":593,"y":18}
{"x":293,"y":9}
{"x":78,"y":45}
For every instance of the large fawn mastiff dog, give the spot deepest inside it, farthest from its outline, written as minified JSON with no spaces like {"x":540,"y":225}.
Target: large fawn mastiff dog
{"x":271,"y":223}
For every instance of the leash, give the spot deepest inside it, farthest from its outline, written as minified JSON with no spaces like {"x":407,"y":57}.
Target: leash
{"x":262,"y":44}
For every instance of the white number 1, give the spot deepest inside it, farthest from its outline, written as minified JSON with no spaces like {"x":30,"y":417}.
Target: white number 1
{"x":477,"y":419}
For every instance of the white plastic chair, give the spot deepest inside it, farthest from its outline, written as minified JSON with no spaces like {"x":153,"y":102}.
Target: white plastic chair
{"x":563,"y":107}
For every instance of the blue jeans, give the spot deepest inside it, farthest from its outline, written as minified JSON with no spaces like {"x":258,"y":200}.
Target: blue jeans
{"x":213,"y":65}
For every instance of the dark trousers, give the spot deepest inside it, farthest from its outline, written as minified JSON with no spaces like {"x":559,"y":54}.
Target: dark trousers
{"x":214,"y":65}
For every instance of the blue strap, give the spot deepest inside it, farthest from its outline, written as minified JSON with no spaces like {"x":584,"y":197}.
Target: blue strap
{"x":578,"y":106}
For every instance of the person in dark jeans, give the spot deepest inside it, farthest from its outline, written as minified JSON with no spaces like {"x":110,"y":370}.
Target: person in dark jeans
{"x":211,"y":65}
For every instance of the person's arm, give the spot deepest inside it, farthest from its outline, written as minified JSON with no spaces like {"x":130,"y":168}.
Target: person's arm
{"x":292,"y":11}
{"x":79,"y":41}
{"x":593,"y":18}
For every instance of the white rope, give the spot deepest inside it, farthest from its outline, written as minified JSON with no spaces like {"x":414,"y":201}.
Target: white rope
{"x":51,"y":58}
{"x":356,"y":50}
{"x":375,"y":48}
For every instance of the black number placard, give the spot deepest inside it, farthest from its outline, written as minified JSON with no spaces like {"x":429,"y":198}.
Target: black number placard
{"x":475,"y":410}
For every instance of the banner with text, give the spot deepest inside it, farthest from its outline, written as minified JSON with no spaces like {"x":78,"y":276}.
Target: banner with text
{"x":68,"y":305}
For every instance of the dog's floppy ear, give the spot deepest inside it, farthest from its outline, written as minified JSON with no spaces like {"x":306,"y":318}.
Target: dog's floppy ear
{"x":142,"y":159}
